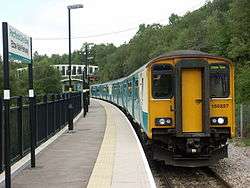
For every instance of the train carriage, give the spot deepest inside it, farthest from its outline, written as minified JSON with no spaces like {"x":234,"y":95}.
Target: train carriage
{"x":183,"y":102}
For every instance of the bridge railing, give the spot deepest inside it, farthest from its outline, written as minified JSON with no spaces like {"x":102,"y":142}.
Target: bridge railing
{"x":51,"y":116}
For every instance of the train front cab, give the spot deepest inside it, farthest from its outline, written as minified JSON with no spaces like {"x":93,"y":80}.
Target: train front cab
{"x":191,"y":110}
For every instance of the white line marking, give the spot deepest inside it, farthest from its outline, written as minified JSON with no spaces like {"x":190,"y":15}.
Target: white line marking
{"x":144,"y":159}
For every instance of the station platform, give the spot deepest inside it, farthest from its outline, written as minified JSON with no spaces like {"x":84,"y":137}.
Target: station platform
{"x":103,"y":151}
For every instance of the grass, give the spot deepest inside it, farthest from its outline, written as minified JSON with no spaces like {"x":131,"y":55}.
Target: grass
{"x":240,"y":142}
{"x":246,"y":141}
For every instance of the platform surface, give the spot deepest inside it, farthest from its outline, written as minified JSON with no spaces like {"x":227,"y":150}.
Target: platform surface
{"x":69,"y":160}
{"x":121,"y":161}
{"x":103,"y":152}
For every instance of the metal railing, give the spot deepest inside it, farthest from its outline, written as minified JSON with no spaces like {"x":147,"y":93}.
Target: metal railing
{"x":243,"y":120}
{"x":51,"y":116}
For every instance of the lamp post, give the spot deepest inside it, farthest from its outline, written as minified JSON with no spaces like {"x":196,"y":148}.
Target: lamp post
{"x":76,"y":6}
{"x":70,"y":105}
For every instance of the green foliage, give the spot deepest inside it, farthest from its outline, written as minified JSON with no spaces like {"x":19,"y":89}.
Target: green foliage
{"x":246,"y":141}
{"x":46,"y":79}
{"x":220,"y":27}
{"x":15,"y":84}
{"x":240,"y":26}
{"x":243,"y":83}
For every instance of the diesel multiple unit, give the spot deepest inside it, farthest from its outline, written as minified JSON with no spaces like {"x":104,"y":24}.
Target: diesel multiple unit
{"x":183,"y":103}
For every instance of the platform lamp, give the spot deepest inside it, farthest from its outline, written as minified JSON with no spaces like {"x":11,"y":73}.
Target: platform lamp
{"x":76,"y":6}
{"x":70,"y":105}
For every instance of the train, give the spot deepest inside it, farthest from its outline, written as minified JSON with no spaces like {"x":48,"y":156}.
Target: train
{"x":182,"y":103}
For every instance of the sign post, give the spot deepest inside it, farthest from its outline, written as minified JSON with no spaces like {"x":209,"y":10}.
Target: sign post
{"x":16,"y":48}
{"x":32,"y":112}
{"x":6,"y":97}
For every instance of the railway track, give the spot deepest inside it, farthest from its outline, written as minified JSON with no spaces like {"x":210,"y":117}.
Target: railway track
{"x":159,"y":169}
{"x":169,"y":177}
{"x":212,"y":173}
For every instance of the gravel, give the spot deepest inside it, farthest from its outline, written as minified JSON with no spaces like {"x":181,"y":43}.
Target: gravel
{"x":236,"y":168}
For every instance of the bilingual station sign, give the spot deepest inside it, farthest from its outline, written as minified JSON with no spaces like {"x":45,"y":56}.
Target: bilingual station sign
{"x":19,"y":46}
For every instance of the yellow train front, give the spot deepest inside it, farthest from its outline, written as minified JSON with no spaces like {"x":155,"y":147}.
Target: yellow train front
{"x":183,"y":105}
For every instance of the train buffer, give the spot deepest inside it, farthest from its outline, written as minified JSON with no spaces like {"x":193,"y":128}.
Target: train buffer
{"x":103,"y":151}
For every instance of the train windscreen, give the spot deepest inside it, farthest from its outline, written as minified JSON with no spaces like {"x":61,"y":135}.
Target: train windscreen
{"x":162,"y":81}
{"x":219,"y":80}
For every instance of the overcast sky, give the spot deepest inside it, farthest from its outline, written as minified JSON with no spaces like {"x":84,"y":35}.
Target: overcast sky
{"x":100,"y":21}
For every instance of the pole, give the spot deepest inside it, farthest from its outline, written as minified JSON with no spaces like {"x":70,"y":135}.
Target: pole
{"x":6,"y":106}
{"x":241,"y":120}
{"x":70,"y":86}
{"x":86,"y":61}
{"x":83,"y":71}
{"x":87,"y":74}
{"x":32,"y":112}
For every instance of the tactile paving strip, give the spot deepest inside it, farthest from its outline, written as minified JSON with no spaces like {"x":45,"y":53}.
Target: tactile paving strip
{"x":101,"y":176}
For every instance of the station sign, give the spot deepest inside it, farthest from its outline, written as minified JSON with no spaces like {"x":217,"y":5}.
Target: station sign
{"x":19,"y":46}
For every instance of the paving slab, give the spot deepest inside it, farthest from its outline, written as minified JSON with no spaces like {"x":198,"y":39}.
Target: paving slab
{"x":69,"y":160}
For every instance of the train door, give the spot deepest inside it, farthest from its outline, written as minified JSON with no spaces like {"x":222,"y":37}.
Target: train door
{"x":192,"y":97}
{"x":191,"y":87}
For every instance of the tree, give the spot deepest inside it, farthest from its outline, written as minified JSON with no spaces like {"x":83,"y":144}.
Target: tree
{"x":243,"y":84}
{"x":47,"y":79}
{"x":240,"y":27}
{"x":173,"y":19}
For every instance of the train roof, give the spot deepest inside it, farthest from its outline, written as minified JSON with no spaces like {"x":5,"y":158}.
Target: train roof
{"x":169,"y":55}
{"x":186,"y":54}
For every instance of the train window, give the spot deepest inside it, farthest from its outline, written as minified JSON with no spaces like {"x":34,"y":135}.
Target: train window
{"x":162,"y":81}
{"x":129,"y":89}
{"x":219,"y":80}
{"x":136,"y":89}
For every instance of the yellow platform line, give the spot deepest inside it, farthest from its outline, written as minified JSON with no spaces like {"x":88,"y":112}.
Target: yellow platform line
{"x":102,"y":173}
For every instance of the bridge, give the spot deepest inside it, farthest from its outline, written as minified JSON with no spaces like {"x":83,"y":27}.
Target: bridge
{"x":76,"y":75}
{"x":77,"y":71}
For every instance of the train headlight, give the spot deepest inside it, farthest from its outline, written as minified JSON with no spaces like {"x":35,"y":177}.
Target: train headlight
{"x":163,"y":121}
{"x":168,"y":121}
{"x":214,"y":120}
{"x":218,"y":120}
{"x":221,"y":121}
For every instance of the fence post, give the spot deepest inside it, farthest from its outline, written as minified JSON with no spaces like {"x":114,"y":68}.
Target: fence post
{"x":45,"y":101}
{"x":64,"y":106}
{"x":32,"y":121}
{"x":70,"y":112}
{"x":54,"y":113}
{"x":35,"y":120}
{"x":58,"y":105}
{"x":59,"y":98}
{"x":1,"y":134}
{"x":84,"y":103}
{"x":241,"y":120}
{"x":20,"y":124}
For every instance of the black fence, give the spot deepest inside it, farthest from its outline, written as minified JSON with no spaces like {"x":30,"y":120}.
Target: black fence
{"x":51,"y":116}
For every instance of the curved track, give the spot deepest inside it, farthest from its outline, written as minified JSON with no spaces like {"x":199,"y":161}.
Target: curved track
{"x":212,"y":173}
{"x":169,"y":176}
